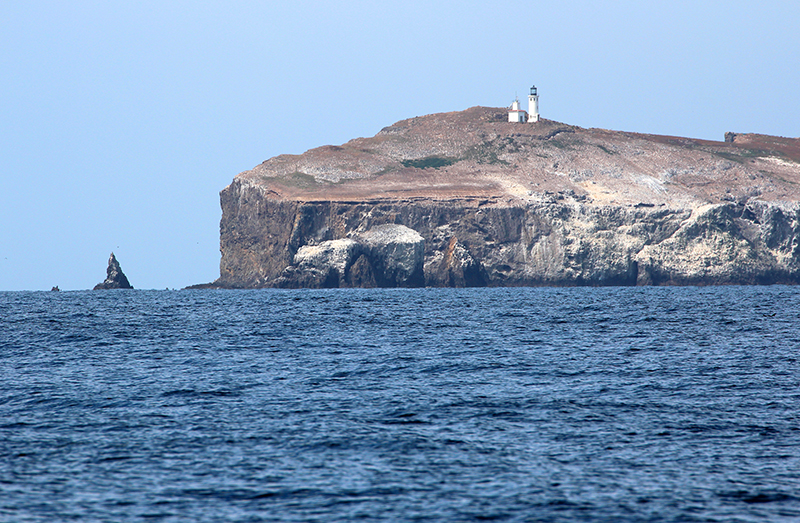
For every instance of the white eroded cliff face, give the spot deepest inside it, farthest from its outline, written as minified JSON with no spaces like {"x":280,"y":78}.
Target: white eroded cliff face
{"x":334,"y":254}
{"x":399,"y":253}
{"x":333,"y":244}
{"x":388,"y":255}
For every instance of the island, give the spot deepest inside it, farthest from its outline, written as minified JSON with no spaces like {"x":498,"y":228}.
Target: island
{"x":486,"y":197}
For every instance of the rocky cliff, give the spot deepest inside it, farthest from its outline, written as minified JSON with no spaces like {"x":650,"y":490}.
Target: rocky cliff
{"x":468,"y":199}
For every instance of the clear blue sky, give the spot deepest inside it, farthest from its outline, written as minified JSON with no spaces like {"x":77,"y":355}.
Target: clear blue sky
{"x":120,"y":122}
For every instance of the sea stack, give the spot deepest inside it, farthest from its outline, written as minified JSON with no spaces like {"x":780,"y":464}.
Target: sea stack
{"x":115,"y":278}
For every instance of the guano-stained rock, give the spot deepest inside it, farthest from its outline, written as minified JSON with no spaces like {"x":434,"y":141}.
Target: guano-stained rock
{"x":387,"y":256}
{"x":398,"y":253}
{"x":322,"y":265}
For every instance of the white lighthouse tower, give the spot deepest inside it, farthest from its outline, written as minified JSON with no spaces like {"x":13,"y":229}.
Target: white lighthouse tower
{"x":533,"y":106}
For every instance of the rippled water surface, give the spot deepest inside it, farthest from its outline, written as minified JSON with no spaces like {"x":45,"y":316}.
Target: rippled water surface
{"x":613,"y":404}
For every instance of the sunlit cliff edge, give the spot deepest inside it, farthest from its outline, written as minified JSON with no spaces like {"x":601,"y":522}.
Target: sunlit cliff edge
{"x":468,"y":199}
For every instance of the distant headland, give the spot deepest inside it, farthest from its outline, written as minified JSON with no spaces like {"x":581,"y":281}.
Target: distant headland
{"x":494,"y":197}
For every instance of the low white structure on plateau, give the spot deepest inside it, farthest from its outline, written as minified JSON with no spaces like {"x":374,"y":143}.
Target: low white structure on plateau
{"x":515,"y":114}
{"x":533,"y":105}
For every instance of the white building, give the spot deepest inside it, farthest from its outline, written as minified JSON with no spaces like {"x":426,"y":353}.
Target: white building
{"x":517,"y":115}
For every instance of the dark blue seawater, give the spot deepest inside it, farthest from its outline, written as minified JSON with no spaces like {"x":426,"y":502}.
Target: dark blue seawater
{"x":610,"y":404}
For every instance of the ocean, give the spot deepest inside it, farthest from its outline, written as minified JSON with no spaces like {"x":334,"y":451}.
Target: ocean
{"x":523,"y":404}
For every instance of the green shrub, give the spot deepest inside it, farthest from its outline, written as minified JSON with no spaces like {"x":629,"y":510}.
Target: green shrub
{"x":434,"y":162}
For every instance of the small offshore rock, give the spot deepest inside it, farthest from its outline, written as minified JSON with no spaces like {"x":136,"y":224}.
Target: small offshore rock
{"x":115,"y":278}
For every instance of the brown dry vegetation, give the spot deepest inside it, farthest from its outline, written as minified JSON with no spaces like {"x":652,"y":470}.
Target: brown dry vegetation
{"x":476,"y":154}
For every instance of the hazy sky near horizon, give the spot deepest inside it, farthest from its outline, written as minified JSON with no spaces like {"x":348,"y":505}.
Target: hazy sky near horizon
{"x":120,"y":122}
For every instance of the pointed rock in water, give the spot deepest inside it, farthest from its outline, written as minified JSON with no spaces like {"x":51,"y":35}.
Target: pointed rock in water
{"x":115,"y":278}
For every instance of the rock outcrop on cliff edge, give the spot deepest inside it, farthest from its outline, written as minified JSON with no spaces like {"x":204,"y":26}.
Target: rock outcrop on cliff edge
{"x":468,"y":199}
